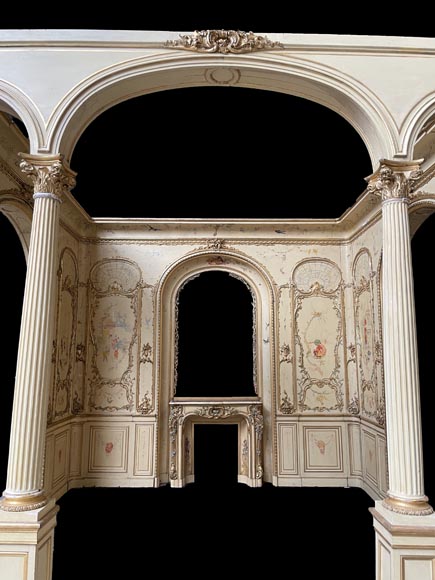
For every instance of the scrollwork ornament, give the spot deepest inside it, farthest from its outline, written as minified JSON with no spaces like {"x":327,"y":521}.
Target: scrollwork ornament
{"x":354,"y":407}
{"x":223,"y":42}
{"x":145,"y":406}
{"x":380,"y":413}
{"x":215,"y":244}
{"x":50,"y":176}
{"x":216,"y":412}
{"x":285,"y":354}
{"x":146,"y":355}
{"x":286,"y":407}
{"x":175,"y":414}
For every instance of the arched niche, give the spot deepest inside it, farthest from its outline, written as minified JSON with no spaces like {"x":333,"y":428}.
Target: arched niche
{"x":166,"y":302}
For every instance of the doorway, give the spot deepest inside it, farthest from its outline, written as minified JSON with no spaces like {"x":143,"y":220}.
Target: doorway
{"x":216,"y":455}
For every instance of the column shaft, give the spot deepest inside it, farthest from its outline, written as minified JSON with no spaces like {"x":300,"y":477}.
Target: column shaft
{"x":24,"y":489}
{"x":402,"y":392}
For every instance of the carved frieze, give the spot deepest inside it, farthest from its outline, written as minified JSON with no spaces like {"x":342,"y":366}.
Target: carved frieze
{"x":223,"y":41}
{"x":216,"y":412}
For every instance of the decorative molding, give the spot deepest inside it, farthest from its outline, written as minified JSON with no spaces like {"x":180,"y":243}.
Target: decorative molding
{"x":216,"y":412}
{"x":318,"y":278}
{"x":215,"y":244}
{"x":285,"y":354}
{"x":146,"y":355}
{"x":176,"y":416}
{"x":145,"y":407}
{"x":223,"y":42}
{"x":287,"y":407}
{"x":256,"y":420}
{"x":48,"y":173}
{"x":353,"y":406}
{"x":115,"y":295}
{"x":380,"y":412}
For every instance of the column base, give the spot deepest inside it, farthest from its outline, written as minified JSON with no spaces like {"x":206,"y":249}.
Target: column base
{"x":405,"y":545}
{"x":419,"y":507}
{"x":26,"y":543}
{"x":23,"y":503}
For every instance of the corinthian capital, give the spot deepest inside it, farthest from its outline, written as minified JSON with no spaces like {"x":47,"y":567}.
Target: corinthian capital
{"x":50,"y":176}
{"x":395,"y":179}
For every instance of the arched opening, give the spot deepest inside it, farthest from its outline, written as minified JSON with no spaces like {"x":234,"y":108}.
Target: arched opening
{"x":13,"y":262}
{"x":422,"y":240}
{"x":216,"y":337}
{"x":211,"y":152}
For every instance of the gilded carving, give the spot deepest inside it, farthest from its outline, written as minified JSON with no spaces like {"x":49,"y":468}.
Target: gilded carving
{"x":287,"y":407}
{"x":244,"y":467}
{"x":318,"y":303}
{"x":390,"y":184}
{"x":216,"y":412}
{"x":215,"y":244}
{"x":223,"y":41}
{"x":365,"y":332}
{"x":145,"y":406}
{"x":49,"y":174}
{"x":285,"y":354}
{"x":146,"y":354}
{"x":176,"y":415}
{"x":64,"y":351}
{"x":255,"y":419}
{"x":353,"y":406}
{"x":114,"y":313}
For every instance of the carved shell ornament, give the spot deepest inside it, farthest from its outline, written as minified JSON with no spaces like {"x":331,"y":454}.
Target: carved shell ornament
{"x":223,"y":42}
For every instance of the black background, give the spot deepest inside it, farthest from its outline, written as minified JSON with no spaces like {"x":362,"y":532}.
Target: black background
{"x":95,"y":522}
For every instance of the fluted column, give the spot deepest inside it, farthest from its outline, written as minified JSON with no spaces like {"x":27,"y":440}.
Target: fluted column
{"x":395,"y":182}
{"x":24,"y":488}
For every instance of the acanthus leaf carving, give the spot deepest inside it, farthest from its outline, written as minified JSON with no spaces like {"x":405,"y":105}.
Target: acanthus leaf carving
{"x":223,"y":42}
{"x":49,"y":174}
{"x":390,"y":184}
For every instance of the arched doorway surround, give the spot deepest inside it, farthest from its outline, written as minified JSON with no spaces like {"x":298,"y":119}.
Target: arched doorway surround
{"x":166,"y":301}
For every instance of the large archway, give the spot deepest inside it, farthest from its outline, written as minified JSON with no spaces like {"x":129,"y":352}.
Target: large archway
{"x":211,"y":149}
{"x":262,"y":289}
